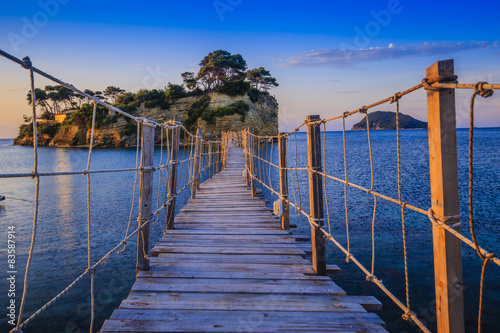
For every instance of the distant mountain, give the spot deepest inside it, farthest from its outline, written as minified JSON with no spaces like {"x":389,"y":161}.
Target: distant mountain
{"x":386,"y":120}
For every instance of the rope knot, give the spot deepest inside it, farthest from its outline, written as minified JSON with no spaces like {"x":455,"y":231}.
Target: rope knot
{"x":90,"y":270}
{"x":445,"y":220}
{"x":27,"y":63}
{"x":479,"y":89}
{"x":370,"y":278}
{"x":395,"y":98}
{"x":363,"y":109}
{"x":444,"y":78}
{"x":407,"y":315}
{"x":427,"y":85}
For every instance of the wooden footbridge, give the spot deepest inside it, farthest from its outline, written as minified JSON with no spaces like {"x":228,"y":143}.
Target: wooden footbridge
{"x":229,"y":267}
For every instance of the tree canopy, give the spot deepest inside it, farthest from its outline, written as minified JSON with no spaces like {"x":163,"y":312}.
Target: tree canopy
{"x":221,"y":68}
{"x":260,"y":78}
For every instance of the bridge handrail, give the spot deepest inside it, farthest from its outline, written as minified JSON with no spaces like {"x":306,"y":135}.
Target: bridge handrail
{"x":257,"y":154}
{"x":211,"y":156}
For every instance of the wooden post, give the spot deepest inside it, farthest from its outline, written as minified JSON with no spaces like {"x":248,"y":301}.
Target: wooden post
{"x":196,"y":168}
{"x":210,"y":160}
{"x":247,"y":160}
{"x":172,"y":181}
{"x":444,"y":196}
{"x":285,"y":217}
{"x":316,"y":193}
{"x":217,"y":157}
{"x":145,"y":197}
{"x":251,"y":161}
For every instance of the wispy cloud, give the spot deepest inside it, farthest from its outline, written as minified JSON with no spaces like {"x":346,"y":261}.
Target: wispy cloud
{"x":347,"y":92}
{"x":350,"y":57}
{"x":12,"y":89}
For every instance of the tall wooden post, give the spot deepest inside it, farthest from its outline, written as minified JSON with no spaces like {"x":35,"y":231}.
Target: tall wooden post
{"x":145,"y":197}
{"x":251,"y":161}
{"x":444,"y":196}
{"x":217,"y":157}
{"x":247,"y":155}
{"x":172,"y":181}
{"x":285,"y":217}
{"x":196,"y":168}
{"x":223,"y":151}
{"x":210,"y":160}
{"x":316,"y":193}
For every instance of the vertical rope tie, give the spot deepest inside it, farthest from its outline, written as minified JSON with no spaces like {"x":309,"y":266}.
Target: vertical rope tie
{"x":134,"y":188}
{"x":485,"y":93}
{"x":370,"y":191}
{"x":324,"y":179}
{"x":345,"y":190}
{"x":28,"y":64}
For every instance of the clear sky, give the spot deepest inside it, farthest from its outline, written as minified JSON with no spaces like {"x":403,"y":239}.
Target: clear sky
{"x":134,"y":45}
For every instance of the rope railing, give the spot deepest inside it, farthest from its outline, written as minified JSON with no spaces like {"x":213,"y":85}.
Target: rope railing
{"x":261,"y":154}
{"x":180,"y":174}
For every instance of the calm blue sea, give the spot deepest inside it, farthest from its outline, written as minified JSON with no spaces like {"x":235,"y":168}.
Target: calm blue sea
{"x":61,"y":245}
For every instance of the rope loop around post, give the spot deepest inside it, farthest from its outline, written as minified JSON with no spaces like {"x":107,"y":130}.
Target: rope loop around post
{"x":479,"y":89}
{"x":445,"y":220}
{"x":427,"y":83}
{"x":316,"y":223}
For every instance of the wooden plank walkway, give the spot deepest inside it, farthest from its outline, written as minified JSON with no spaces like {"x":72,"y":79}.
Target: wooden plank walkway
{"x":228,"y":267}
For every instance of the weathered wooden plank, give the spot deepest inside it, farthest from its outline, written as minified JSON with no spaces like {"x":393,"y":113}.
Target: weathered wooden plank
{"x":232,"y":266}
{"x":181,"y":271}
{"x":143,"y":326}
{"x":235,"y":316}
{"x":165,"y":258}
{"x":222,"y":250}
{"x":283,"y":301}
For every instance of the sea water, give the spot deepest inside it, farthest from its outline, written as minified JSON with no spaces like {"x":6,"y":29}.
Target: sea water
{"x":60,"y":252}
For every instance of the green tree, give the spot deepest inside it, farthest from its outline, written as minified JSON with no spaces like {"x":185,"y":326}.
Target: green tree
{"x":89,"y":92}
{"x":261,"y":79}
{"x":220,"y":66}
{"x":113,"y":92}
{"x":41,"y":99}
{"x":173,"y":92}
{"x":189,"y":80}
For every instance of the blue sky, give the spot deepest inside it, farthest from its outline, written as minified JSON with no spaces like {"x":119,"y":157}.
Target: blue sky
{"x":136,"y":45}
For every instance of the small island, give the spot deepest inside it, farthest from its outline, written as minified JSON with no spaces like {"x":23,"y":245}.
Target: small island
{"x":222,"y":96}
{"x":386,"y":120}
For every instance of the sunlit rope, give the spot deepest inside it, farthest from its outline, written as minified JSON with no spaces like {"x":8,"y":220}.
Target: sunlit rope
{"x":134,"y":187}
{"x":485,"y":93}
{"x":372,"y":182}
{"x":324,"y":180}
{"x":348,"y":254}
{"x":37,"y":192}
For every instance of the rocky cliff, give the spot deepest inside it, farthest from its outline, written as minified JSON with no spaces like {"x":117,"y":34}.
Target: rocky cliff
{"x":262,"y":115}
